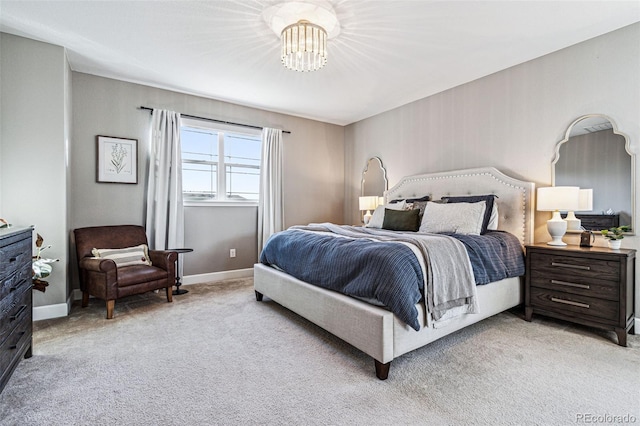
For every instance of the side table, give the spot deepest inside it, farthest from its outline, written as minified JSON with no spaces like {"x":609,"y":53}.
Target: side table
{"x":178,"y":290}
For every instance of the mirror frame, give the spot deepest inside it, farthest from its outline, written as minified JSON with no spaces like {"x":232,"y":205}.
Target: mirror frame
{"x":384,"y":174}
{"x":627,"y":148}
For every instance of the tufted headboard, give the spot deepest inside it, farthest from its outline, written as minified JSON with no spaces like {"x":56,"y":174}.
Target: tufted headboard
{"x":515,"y":197}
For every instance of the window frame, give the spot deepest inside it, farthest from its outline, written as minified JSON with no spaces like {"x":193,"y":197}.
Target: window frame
{"x":221,"y":176}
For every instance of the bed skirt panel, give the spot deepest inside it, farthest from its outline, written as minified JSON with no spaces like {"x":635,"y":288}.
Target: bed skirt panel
{"x":493,"y":298}
{"x":367,"y":327}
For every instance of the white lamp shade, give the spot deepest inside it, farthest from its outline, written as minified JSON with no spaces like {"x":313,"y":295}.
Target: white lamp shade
{"x":555,"y":198}
{"x":585,"y":201}
{"x":369,"y":202}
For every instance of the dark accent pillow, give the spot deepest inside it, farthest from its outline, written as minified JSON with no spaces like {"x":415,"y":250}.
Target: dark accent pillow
{"x":401,"y":220}
{"x":411,"y":200}
{"x":489,"y":199}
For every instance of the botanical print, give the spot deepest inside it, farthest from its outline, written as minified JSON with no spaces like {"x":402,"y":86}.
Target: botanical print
{"x":118,"y":157}
{"x":117,"y":160}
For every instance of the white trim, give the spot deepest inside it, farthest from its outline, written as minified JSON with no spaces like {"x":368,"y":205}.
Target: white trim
{"x":636,"y":326}
{"x":219,"y":203}
{"x":51,"y":311}
{"x":217,"y":276}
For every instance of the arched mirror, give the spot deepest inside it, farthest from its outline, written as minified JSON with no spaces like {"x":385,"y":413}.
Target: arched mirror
{"x":594,"y":154}
{"x":374,"y":178}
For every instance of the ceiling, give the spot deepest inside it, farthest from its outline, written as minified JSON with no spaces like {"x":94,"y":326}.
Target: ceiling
{"x":388,"y":52}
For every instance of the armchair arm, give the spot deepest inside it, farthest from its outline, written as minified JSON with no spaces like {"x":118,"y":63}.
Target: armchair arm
{"x":97,"y":265}
{"x":164,"y":259}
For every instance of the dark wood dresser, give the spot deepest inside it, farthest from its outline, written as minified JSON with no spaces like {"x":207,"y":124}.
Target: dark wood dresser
{"x":593,"y":286}
{"x":15,"y":299}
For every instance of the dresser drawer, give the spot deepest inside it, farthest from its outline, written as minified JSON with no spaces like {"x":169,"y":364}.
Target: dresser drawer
{"x":586,"y":307}
{"x":14,"y":309}
{"x":589,"y":287}
{"x":14,"y":256}
{"x":16,"y":281}
{"x":15,"y":343}
{"x":569,"y":268}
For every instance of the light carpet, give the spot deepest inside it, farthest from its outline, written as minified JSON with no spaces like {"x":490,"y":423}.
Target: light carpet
{"x":215,"y":356}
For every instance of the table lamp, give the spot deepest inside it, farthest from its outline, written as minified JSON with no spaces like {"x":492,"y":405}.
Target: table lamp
{"x":585,"y":205}
{"x":368,"y":203}
{"x":553,"y":199}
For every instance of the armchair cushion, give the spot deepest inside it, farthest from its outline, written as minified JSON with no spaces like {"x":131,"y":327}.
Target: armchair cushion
{"x":138,"y":255}
{"x":137,"y":274}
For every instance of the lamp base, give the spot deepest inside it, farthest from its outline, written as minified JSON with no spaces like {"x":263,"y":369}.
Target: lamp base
{"x":556,"y":227}
{"x":557,"y":242}
{"x":573,"y":223}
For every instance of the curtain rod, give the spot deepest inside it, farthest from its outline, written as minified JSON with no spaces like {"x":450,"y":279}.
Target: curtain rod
{"x":216,"y":121}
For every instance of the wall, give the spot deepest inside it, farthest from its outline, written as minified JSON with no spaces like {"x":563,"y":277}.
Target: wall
{"x":511,"y":120}
{"x":35,"y":131}
{"x":313,"y":169}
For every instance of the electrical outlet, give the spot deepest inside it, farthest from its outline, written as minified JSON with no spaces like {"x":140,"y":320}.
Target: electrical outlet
{"x":232,"y":253}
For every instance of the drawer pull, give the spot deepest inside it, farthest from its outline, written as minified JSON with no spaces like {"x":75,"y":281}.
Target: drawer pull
{"x":567,"y":265}
{"x":17,"y":314}
{"x":569,"y":302}
{"x":585,"y":286}
{"x":16,"y":345}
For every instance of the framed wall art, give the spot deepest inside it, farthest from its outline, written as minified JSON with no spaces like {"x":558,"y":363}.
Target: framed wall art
{"x":117,"y":160}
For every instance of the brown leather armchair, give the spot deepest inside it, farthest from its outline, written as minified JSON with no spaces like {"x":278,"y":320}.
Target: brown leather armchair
{"x":102,"y":279}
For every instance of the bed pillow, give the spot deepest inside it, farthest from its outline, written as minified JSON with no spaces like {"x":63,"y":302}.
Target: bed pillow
{"x":401,"y":220}
{"x":138,"y":255}
{"x":459,"y":218}
{"x":411,"y":200}
{"x":377,"y":218}
{"x":493,"y":221}
{"x":490,"y":201}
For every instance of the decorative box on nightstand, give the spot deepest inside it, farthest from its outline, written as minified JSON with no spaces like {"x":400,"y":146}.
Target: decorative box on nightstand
{"x":593,"y":286}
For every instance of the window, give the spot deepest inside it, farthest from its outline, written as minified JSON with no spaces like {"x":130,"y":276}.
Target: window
{"x":219,"y":163}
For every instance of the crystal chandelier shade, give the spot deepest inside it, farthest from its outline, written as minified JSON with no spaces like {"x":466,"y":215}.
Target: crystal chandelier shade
{"x":304,"y":46}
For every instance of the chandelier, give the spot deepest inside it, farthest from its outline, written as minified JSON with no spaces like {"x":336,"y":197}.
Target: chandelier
{"x":304,"y":46}
{"x":304,"y":26}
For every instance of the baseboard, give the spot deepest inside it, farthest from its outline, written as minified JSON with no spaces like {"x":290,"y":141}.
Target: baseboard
{"x":217,"y":276}
{"x":51,"y":311}
{"x":636,"y":326}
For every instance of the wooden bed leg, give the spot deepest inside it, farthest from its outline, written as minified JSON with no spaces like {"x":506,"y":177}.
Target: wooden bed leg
{"x":382,"y":370}
{"x":258,"y":296}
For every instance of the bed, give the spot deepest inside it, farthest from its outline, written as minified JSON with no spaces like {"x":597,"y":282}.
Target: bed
{"x":376,"y":330}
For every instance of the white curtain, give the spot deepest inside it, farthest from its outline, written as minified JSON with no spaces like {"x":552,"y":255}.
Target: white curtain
{"x":165,"y":214}
{"x":271,"y":200}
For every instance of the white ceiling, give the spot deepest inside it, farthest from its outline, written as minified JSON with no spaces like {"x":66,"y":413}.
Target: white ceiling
{"x":388,"y":52}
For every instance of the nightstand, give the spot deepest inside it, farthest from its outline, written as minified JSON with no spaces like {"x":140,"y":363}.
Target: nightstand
{"x":593,"y":286}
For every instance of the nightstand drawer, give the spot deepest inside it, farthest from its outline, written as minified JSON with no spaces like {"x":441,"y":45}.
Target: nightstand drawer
{"x":575,"y":285}
{"x":585,"y":306}
{"x":568,"y":268}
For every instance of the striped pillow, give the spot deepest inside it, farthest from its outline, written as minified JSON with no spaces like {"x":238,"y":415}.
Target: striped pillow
{"x":129,"y":256}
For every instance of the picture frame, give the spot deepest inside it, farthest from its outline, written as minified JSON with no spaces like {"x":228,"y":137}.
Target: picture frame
{"x":117,"y":160}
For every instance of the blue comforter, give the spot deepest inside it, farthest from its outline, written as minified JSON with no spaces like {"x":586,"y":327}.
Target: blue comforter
{"x":386,"y":271}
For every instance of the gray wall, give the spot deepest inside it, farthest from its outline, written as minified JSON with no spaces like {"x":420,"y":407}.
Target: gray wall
{"x":313,"y":169}
{"x":512,"y":120}
{"x":35,"y":133}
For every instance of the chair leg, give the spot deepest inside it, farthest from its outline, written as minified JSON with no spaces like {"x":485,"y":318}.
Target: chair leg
{"x":169,"y":294}
{"x":85,"y":299}
{"x":110,"y":305}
